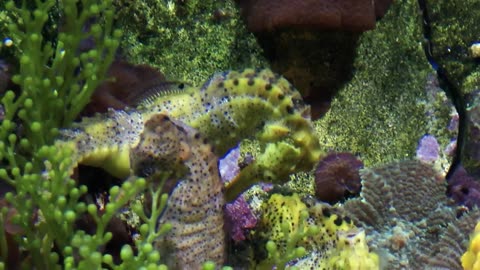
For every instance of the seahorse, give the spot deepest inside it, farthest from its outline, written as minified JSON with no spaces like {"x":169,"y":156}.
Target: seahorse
{"x":195,"y":206}
{"x":228,"y":108}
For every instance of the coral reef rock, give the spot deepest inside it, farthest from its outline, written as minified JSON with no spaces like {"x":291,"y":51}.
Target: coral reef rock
{"x":471,"y":150}
{"x":406,"y":213}
{"x":337,"y":177}
{"x":351,"y":15}
{"x":447,"y":251}
{"x":463,"y":188}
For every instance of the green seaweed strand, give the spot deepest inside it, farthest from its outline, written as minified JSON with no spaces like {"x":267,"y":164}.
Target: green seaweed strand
{"x":57,"y":77}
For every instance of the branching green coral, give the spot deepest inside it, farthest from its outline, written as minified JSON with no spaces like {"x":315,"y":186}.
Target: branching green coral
{"x":56,"y":79}
{"x":81,"y":251}
{"x":147,"y":256}
{"x":52,"y":93}
{"x":51,"y":196}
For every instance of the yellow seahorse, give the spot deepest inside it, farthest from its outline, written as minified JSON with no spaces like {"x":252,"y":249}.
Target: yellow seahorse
{"x":157,"y":137}
{"x":228,"y":108}
{"x":169,"y":148}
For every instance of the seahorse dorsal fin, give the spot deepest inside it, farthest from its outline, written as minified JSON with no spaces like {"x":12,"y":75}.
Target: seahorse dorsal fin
{"x":146,"y":93}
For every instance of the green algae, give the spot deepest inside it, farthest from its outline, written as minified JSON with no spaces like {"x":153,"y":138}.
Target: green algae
{"x":472,"y":81}
{"x":454,"y":28}
{"x":379,"y":113}
{"x":187,"y":40}
{"x":56,"y":78}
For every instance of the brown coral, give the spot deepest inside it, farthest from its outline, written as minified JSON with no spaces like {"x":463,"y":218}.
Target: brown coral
{"x":446,"y":253}
{"x":405,"y":211}
{"x":463,"y":188}
{"x":399,"y":189}
{"x":337,"y":177}
{"x":350,"y":15}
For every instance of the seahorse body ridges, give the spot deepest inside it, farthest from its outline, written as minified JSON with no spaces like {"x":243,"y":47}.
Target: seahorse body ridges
{"x":195,"y":206}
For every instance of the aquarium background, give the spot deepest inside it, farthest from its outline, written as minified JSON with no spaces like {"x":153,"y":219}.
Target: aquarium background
{"x":248,"y":134}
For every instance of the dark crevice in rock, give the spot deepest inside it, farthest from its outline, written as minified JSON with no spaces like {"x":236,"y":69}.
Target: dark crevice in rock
{"x":454,"y":93}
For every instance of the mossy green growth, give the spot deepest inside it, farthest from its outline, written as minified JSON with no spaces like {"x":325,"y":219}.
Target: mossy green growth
{"x":472,"y":81}
{"x":378,"y":114}
{"x":454,"y":28}
{"x":187,"y":40}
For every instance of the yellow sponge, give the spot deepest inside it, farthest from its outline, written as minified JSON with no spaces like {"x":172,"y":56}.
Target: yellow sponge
{"x":471,"y":258}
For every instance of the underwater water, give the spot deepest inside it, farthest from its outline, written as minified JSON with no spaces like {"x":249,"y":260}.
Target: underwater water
{"x":239,"y":134}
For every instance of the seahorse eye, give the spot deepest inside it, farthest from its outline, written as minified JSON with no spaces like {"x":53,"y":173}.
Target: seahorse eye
{"x":144,"y":169}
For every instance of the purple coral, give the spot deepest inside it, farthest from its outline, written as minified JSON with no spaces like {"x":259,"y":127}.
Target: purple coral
{"x":428,"y":149}
{"x":337,"y":177}
{"x":239,"y":219}
{"x":463,"y":188}
{"x":228,"y":165}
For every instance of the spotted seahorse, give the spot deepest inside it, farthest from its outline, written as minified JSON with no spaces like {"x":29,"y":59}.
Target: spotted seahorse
{"x":169,"y":148}
{"x":228,"y":108}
